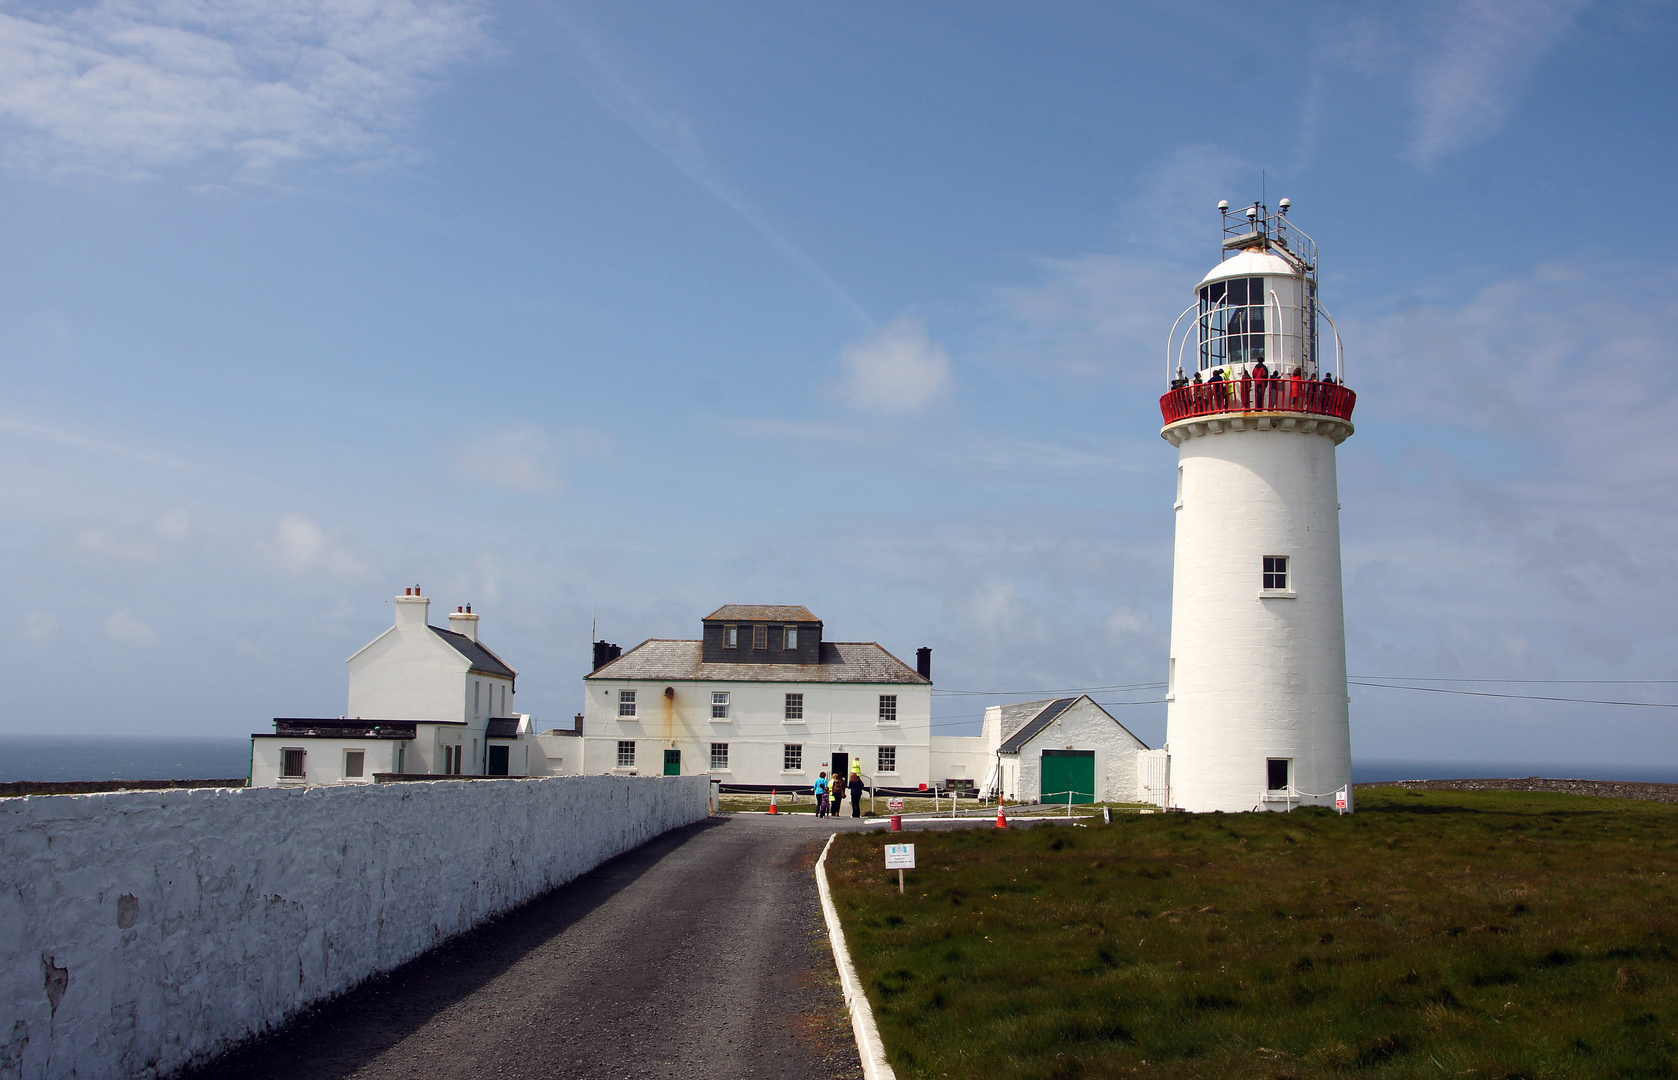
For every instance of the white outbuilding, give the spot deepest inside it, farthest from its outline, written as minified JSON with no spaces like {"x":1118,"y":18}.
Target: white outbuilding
{"x":422,"y":701}
{"x":1061,"y":750}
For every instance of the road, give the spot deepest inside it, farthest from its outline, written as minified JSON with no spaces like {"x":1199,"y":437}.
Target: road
{"x":701,"y":954}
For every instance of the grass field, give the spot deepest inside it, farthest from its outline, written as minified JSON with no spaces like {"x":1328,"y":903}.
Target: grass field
{"x":1466,"y":934}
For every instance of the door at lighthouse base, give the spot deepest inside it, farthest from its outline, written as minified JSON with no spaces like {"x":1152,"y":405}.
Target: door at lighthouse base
{"x":1068,"y":776}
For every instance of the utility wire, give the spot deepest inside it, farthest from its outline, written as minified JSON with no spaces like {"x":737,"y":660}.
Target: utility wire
{"x":1517,"y":697}
{"x":1064,"y":690}
{"x":1429,"y":678}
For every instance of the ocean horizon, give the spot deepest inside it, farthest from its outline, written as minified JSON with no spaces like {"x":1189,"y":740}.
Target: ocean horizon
{"x":127,"y":757}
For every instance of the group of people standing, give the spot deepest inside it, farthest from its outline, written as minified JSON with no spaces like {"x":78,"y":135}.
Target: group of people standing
{"x":1257,"y":388}
{"x":830,"y":795}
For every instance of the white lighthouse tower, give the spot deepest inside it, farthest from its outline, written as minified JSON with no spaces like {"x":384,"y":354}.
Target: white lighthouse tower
{"x":1257,"y":718}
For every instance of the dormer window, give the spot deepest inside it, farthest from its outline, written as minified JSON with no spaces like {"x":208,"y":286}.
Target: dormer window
{"x":790,"y":637}
{"x":731,"y":637}
{"x":760,"y":637}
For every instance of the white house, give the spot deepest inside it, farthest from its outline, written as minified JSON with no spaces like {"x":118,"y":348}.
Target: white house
{"x":760,"y":701}
{"x":1063,"y":748}
{"x":422,"y":701}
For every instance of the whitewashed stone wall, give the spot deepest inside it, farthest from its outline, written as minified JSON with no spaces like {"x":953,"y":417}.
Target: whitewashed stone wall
{"x":144,"y":931}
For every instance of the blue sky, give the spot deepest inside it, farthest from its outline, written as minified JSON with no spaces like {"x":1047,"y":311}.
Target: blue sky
{"x":629,"y":310}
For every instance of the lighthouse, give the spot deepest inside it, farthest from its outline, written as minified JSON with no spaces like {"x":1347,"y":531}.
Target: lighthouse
{"x":1257,"y":716}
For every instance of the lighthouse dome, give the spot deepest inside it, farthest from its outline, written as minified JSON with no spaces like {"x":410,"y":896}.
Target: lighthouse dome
{"x":1250,"y":264}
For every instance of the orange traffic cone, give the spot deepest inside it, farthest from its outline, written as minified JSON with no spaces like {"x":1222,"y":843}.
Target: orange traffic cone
{"x":1001,"y":816}
{"x":773,"y":809}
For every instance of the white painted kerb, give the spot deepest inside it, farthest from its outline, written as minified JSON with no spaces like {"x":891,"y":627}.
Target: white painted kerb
{"x":868,"y":1045}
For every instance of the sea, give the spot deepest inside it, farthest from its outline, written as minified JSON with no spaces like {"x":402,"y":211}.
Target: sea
{"x":125,"y":757}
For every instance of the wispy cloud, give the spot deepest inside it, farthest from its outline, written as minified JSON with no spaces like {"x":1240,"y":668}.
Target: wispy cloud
{"x":134,"y":85}
{"x":299,"y":545}
{"x":124,"y":627}
{"x":522,"y":458}
{"x":674,"y":136}
{"x":1485,"y":55}
{"x":896,"y":370}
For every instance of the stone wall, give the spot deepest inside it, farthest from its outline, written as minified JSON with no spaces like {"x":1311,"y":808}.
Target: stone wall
{"x":144,"y":931}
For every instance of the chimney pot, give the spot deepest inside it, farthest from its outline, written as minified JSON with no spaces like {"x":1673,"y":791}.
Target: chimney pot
{"x":923,"y":662}
{"x":460,"y":609}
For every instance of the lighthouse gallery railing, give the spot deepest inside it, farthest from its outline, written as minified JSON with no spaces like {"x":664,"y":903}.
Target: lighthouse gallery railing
{"x":1257,"y":395}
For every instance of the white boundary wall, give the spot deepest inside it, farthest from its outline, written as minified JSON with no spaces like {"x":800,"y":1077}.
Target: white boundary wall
{"x":144,"y":931}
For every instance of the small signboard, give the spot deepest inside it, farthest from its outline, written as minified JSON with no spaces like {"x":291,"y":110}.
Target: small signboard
{"x":900,"y":856}
{"x":895,"y":805}
{"x":1340,"y":800}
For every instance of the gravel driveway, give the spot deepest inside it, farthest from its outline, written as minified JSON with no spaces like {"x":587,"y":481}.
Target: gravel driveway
{"x":700,"y":954}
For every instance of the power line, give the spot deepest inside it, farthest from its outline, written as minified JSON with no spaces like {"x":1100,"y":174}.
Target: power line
{"x":1052,"y":693}
{"x":1429,"y":678}
{"x":1516,"y":697}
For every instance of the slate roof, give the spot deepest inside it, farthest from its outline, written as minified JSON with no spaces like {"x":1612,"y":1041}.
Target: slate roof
{"x":762,"y":613}
{"x":502,"y":727}
{"x":841,"y":662}
{"x":1020,"y":722}
{"x":478,"y":655}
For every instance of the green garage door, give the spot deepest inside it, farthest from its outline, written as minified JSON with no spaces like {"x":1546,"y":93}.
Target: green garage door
{"x":1068,"y":775}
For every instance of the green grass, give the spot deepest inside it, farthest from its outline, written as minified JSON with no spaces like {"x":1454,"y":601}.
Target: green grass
{"x":1462,"y":934}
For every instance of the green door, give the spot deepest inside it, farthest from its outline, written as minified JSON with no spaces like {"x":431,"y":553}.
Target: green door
{"x":672,"y":763}
{"x":1068,"y":775}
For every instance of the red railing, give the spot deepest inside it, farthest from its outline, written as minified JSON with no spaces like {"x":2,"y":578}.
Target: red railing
{"x":1257,"y":395}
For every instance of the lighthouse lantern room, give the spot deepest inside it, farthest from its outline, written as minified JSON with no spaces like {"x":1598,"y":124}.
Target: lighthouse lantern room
{"x":1257,"y":716}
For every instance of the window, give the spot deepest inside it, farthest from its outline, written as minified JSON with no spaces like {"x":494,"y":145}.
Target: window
{"x":1275,"y":572}
{"x":503,"y":699}
{"x":760,"y":637}
{"x":1232,"y":322}
{"x":888,"y":759}
{"x":719,"y":705}
{"x":291,"y":763}
{"x":1179,"y":486}
{"x":626,"y":753}
{"x":790,"y":637}
{"x":719,"y":757}
{"x":626,"y":703}
{"x":355,"y":764}
{"x":792,"y":757}
{"x":476,"y":687}
{"x":1277,"y":774}
{"x":888,"y":708}
{"x":731,"y":637}
{"x":448,"y":760}
{"x":795,"y":707}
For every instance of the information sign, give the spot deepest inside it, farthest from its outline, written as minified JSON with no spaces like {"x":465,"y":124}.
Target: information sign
{"x":900,"y":856}
{"x":895,"y":805}
{"x":1340,"y":800}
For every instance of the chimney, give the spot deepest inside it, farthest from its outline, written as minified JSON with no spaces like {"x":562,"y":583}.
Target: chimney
{"x":577,"y":723}
{"x":411,"y":610}
{"x":923,"y":661}
{"x":465,"y":623}
{"x":604,"y":653}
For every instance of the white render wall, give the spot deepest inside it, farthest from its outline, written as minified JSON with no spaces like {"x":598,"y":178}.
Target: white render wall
{"x":837,"y":717}
{"x":144,"y":931}
{"x":1256,"y":677}
{"x":960,"y":757}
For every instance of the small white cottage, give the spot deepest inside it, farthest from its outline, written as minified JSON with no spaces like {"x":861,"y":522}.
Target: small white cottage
{"x":422,"y":701}
{"x":1063,"y":749}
